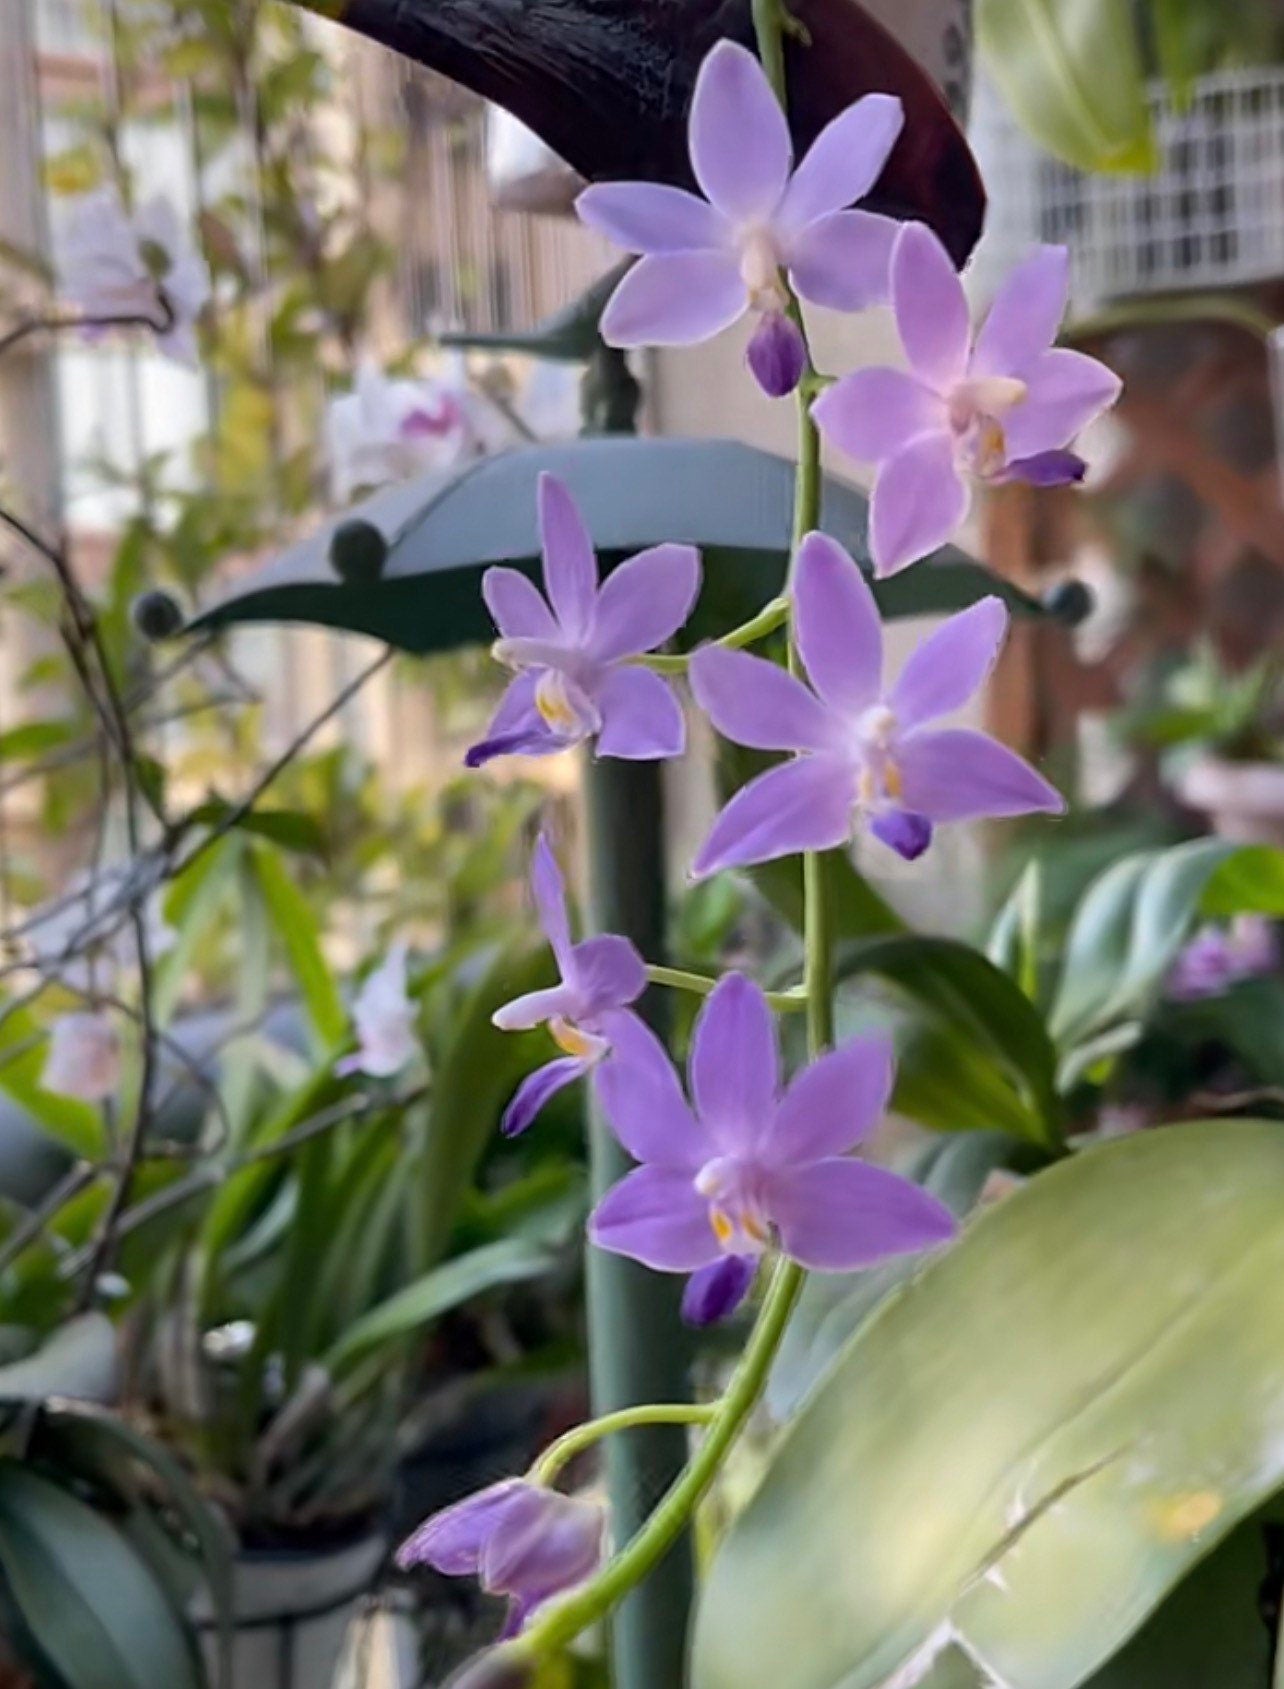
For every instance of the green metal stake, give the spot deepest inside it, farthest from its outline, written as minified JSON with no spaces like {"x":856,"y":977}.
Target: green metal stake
{"x":639,"y":1350}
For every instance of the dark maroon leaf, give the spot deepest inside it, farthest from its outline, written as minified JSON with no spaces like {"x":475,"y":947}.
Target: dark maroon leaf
{"x":606,"y":84}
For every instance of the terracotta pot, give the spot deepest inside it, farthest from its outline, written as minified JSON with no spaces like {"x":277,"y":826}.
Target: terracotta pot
{"x":290,"y":1613}
{"x":1244,"y":801}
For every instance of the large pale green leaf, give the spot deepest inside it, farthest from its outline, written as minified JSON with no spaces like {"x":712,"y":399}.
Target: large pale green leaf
{"x":93,"y":1606}
{"x":1072,"y":72}
{"x":1028,"y":1446}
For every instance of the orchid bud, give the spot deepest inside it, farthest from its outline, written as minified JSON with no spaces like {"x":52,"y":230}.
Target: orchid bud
{"x":777,"y":355}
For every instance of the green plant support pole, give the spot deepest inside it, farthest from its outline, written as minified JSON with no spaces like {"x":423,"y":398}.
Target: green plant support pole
{"x":638,"y":1348}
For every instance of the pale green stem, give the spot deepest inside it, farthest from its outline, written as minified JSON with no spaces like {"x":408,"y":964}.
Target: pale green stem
{"x":557,"y":1455}
{"x":700,"y":985}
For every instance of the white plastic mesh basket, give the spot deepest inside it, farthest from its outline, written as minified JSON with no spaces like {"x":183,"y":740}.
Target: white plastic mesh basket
{"x":1212,"y":215}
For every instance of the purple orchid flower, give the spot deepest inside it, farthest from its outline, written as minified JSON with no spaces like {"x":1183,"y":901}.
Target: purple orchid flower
{"x":600,"y":977}
{"x":521,"y":1540}
{"x":708,"y":261}
{"x":1219,"y":957}
{"x":862,"y":752}
{"x":1002,"y":408}
{"x":575,"y":680}
{"x":748,"y":1168}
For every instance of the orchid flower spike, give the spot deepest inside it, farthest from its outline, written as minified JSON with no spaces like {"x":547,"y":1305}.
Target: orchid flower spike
{"x":521,"y":1540}
{"x":112,"y":264}
{"x":84,"y":1057}
{"x":575,"y":680}
{"x":1002,"y":407}
{"x":863,"y":751}
{"x":384,"y":1015}
{"x":745,"y":1167}
{"x":707,"y":261}
{"x":600,"y":977}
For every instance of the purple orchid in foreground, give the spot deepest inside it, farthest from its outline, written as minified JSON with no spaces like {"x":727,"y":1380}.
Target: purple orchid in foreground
{"x":600,"y":977}
{"x":862,"y":752}
{"x":521,"y":1540}
{"x":707,"y":261}
{"x":575,"y":679}
{"x":749,"y":1168}
{"x":1003,"y":408}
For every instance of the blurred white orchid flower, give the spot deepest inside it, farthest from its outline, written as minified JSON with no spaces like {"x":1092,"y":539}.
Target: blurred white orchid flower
{"x":83,"y":1058}
{"x":112,"y":263}
{"x":384,"y":1016}
{"x":389,"y":428}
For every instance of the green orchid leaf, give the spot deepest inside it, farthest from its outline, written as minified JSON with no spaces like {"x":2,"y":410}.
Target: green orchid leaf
{"x":1072,"y":72}
{"x":96,"y":1610}
{"x":298,"y":929}
{"x":1030,"y":1445}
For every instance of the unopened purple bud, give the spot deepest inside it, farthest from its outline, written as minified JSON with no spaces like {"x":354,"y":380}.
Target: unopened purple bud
{"x":716,"y":1291}
{"x":903,"y":831}
{"x":1048,"y":469}
{"x":777,"y":355}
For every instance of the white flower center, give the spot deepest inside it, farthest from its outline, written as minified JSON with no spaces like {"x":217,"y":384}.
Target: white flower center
{"x":565,"y":707}
{"x":977,"y":409}
{"x":879,"y":780}
{"x":760,"y":271}
{"x":737,"y":1215}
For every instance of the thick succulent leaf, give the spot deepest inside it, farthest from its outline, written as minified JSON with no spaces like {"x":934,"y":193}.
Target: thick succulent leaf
{"x":607,"y":85}
{"x":1029,"y":1445}
{"x":79,"y":1359}
{"x":732,"y":500}
{"x":97,"y":1612}
{"x":1072,"y":72}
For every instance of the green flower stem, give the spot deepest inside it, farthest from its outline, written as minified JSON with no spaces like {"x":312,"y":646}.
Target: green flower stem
{"x":566,"y":1619}
{"x":547,"y":1468}
{"x":769,"y":619}
{"x":678,"y":979}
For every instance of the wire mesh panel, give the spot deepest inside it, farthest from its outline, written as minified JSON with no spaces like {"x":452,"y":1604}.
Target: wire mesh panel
{"x":1212,"y":215}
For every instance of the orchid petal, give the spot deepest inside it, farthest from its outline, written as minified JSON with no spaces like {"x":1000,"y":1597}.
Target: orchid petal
{"x":652,"y":217}
{"x":545,"y":1543}
{"x":1025,"y":316}
{"x":777,"y":355}
{"x":740,"y":146}
{"x":645,"y":601}
{"x":548,"y":889}
{"x":950,"y":665}
{"x":919,"y":502}
{"x":517,"y":605}
{"x":803,"y":805}
{"x":844,"y":161}
{"x":714,"y":1292}
{"x":931,"y":308}
{"x":641,"y":717}
{"x":735,"y":1064}
{"x":874,"y":413}
{"x":838,"y":1215}
{"x":656,"y":1215}
{"x":452,"y":1541}
{"x":535,"y":1008}
{"x":570,"y":565}
{"x":675,"y":299}
{"x":643,"y":1101}
{"x":537,"y":1088}
{"x":607,"y":972}
{"x":840,"y":635}
{"x":957,"y":774}
{"x":757,"y":703}
{"x":844,"y":260}
{"x":1067,"y":390}
{"x":833,"y":1104}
